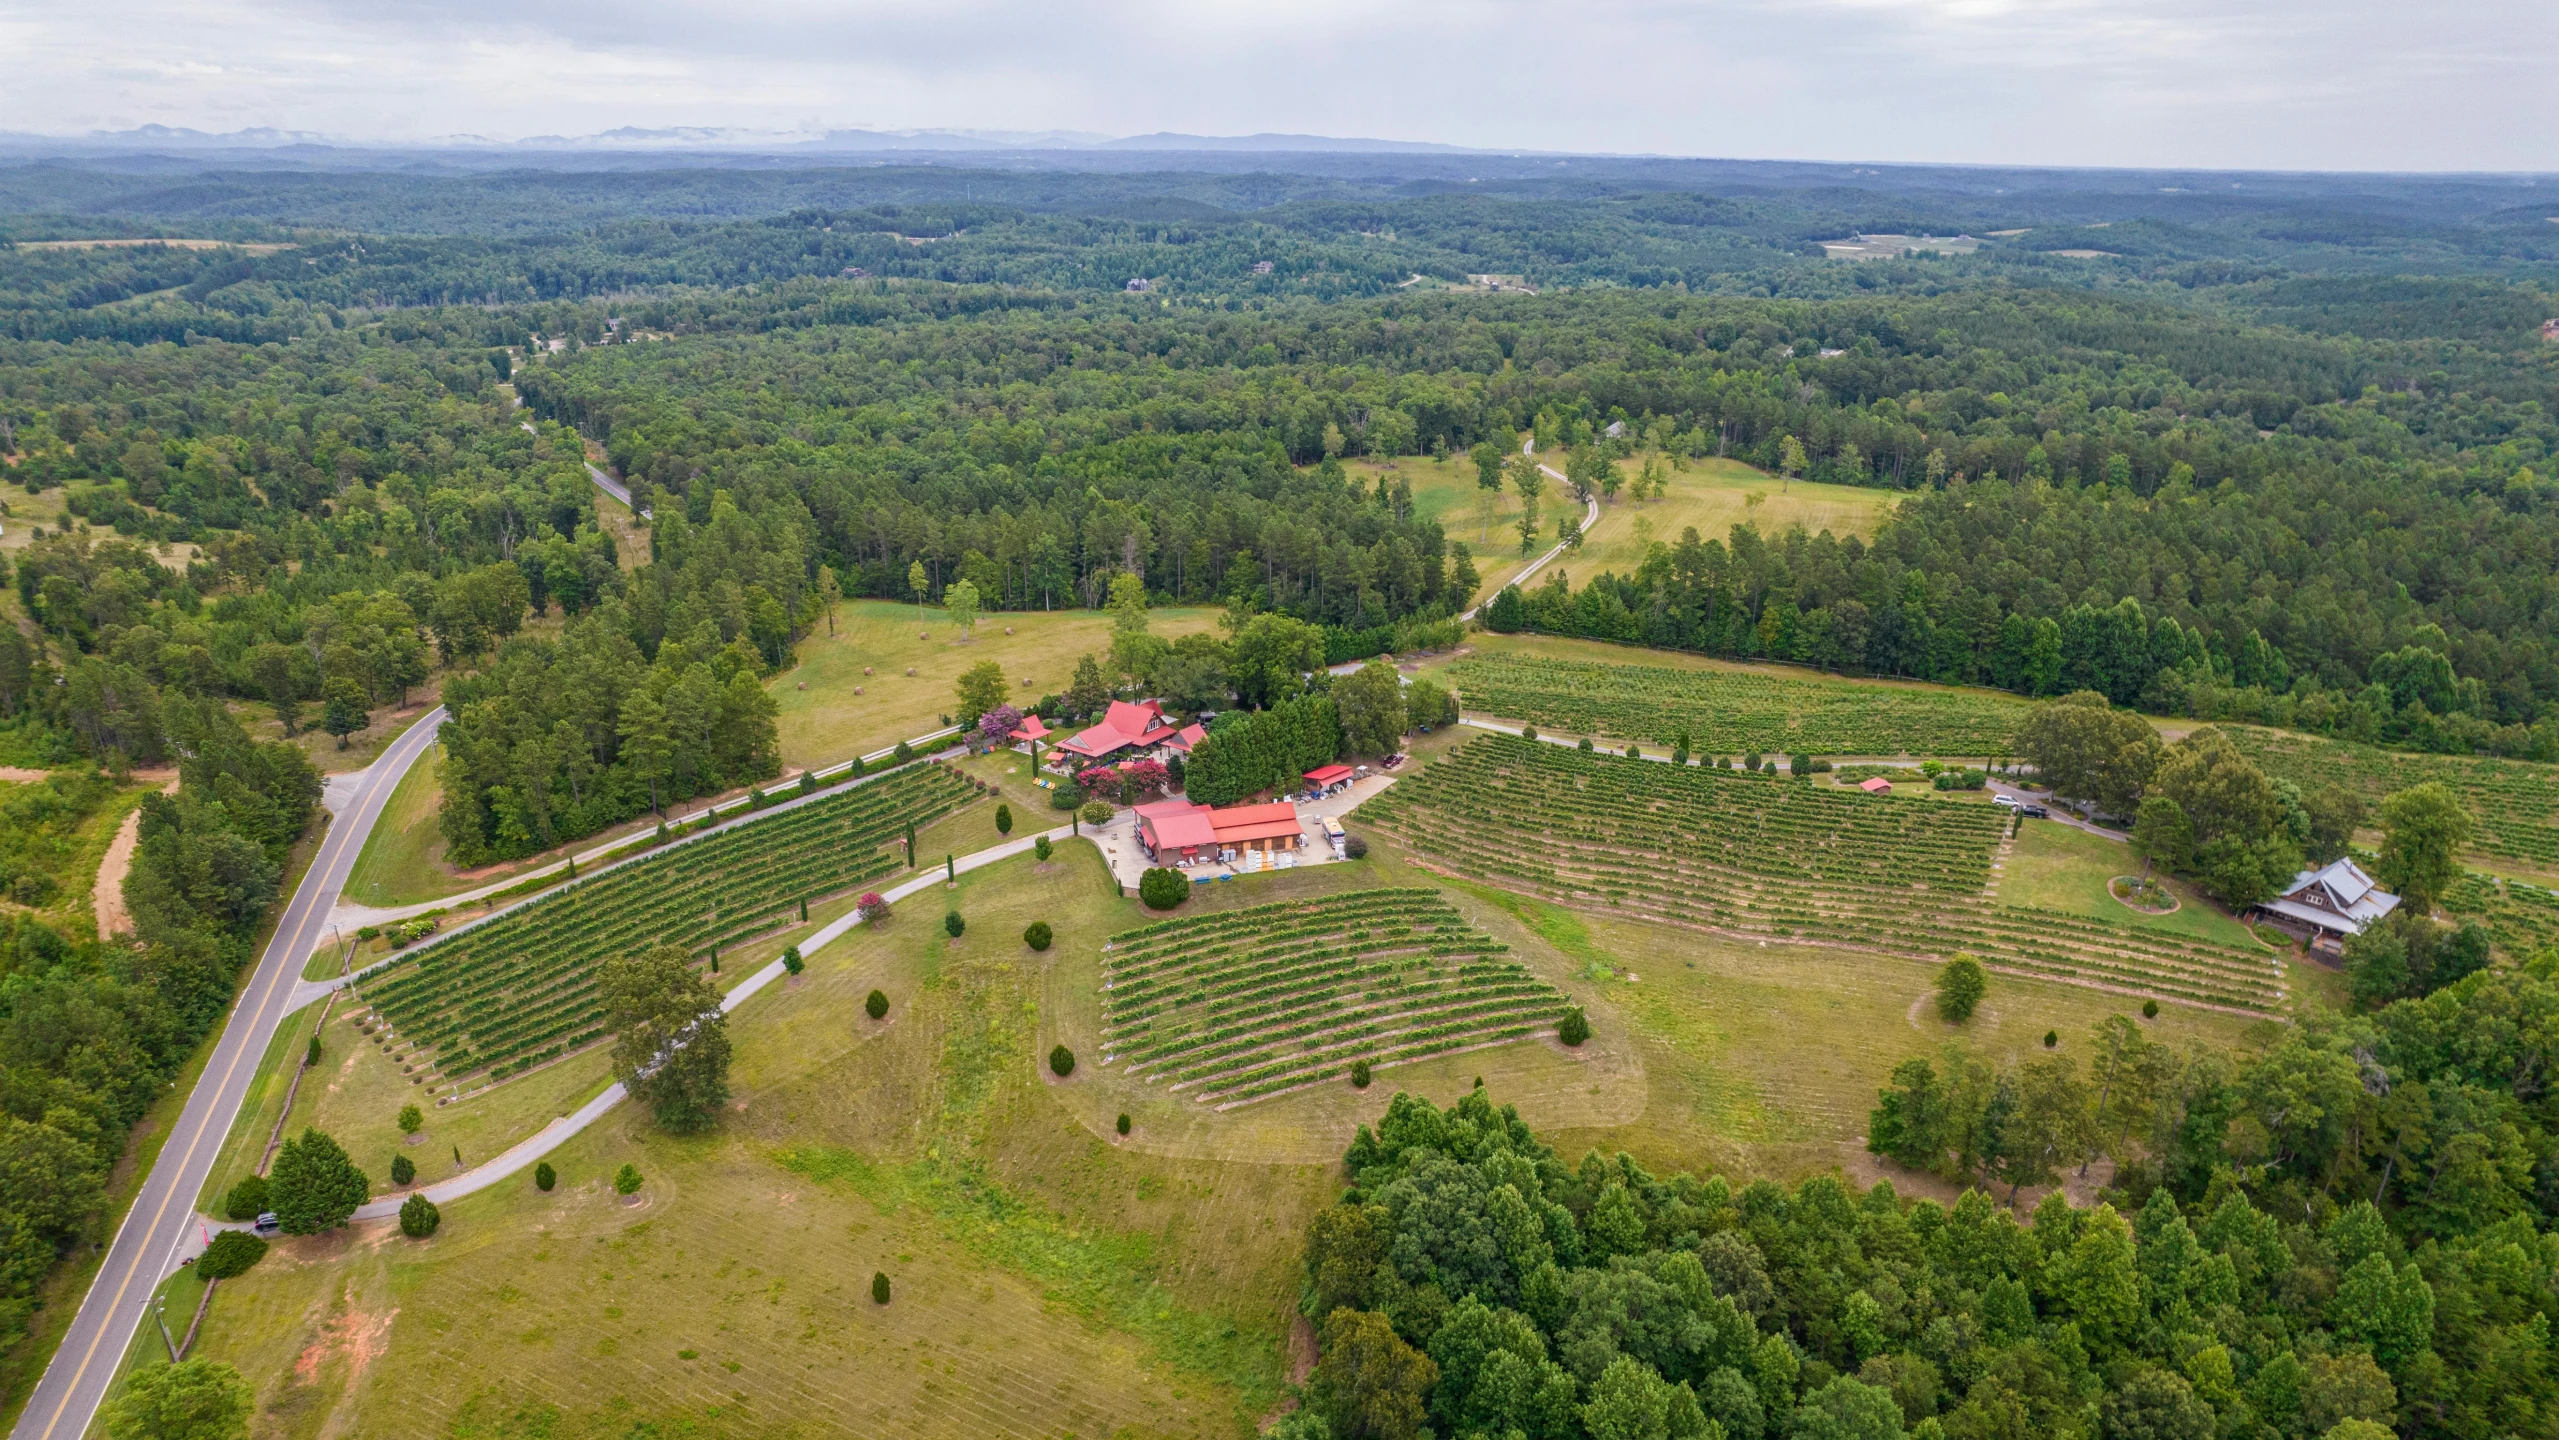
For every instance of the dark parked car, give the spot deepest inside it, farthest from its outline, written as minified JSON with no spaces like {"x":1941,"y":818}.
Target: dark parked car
{"x":2034,"y":812}
{"x":267,"y":1224}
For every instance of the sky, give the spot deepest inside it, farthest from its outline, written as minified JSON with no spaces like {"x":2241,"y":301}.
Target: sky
{"x":2275,"y":84}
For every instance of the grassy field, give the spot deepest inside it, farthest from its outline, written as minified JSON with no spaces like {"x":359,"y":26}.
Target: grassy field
{"x":831,"y":711}
{"x":402,"y":862}
{"x":54,"y":832}
{"x":1711,"y":495}
{"x":2059,"y":867}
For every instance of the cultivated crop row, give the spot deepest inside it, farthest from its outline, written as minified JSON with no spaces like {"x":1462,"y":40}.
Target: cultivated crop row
{"x":2514,"y":804}
{"x":1685,"y":846}
{"x":1242,"y":1005}
{"x":515,"y":991}
{"x":1730,"y":713}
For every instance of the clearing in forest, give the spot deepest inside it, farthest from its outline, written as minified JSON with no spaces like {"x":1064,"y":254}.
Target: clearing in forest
{"x":519,"y":989}
{"x":1758,"y":855}
{"x":1727,"y":712}
{"x":1238,"y":1006}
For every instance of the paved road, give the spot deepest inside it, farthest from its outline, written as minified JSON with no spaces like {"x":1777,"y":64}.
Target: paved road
{"x":1590,"y":517}
{"x":162,"y":1219}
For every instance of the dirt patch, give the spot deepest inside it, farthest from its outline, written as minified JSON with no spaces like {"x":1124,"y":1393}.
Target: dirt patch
{"x":362,"y":1338}
{"x":106,"y":896}
{"x":1301,"y":1349}
{"x":21,"y":775}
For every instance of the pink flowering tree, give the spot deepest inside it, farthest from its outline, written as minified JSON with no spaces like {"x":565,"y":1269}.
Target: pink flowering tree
{"x":995,"y":728}
{"x":872,"y":907}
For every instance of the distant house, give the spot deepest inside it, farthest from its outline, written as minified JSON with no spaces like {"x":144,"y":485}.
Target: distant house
{"x":856,"y":272}
{"x":1263,"y":267}
{"x":1876,"y":785}
{"x":1616,"y":430}
{"x":1186,"y":739}
{"x":2326,"y":905}
{"x":1140,"y":287}
{"x":1127,"y":726}
{"x":2550,"y":330}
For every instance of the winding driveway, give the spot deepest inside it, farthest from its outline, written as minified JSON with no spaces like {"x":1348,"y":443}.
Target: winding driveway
{"x":1590,"y":517}
{"x":161,"y":1225}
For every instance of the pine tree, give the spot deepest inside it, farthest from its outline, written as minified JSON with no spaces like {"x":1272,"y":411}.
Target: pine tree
{"x":314,"y":1186}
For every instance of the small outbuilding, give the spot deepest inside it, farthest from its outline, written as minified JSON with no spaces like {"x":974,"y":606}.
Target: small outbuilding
{"x":1876,"y":785}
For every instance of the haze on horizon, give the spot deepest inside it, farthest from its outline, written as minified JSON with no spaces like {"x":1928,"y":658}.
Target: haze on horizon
{"x":2269,"y":84}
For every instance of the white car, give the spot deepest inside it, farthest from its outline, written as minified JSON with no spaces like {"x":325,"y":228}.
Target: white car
{"x":2011,"y":801}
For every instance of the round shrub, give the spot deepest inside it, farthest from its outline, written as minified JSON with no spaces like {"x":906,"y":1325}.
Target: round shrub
{"x":1528,"y":732}
{"x":1123,"y":1125}
{"x":1163,"y":888}
{"x":1354,"y":848}
{"x":544,"y":1177}
{"x":231,"y":1253}
{"x":1061,"y":1062}
{"x":2149,"y":1009}
{"x":1067,"y":796}
{"x":1961,"y":982}
{"x":879,"y":1287}
{"x":1574,"y":1028}
{"x":1039,"y":936}
{"x":2052,"y":1038}
{"x":1359,"y":1074}
{"x":412,"y":1120}
{"x":1003,"y":819}
{"x":1587,"y":746}
{"x":792,"y":961}
{"x":1097,"y":812}
{"x":419,"y":1217}
{"x":247,"y":1200}
{"x":877,"y":1007}
{"x":626,"y":1181}
{"x":1042,"y":848}
{"x":403,"y":1170}
{"x":952,"y":924}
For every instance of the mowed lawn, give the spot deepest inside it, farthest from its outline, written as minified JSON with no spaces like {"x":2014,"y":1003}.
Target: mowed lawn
{"x":1711,"y":495}
{"x":824,"y":720}
{"x":2061,"y":867}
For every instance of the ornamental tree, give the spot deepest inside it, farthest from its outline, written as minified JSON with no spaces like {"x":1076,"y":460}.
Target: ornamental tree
{"x":314,"y":1186}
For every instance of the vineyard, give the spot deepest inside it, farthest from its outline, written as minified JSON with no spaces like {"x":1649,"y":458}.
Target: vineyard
{"x":2520,"y":918}
{"x":2514,"y":804}
{"x":1240,"y":1006}
{"x":1729,"y":713}
{"x":520,"y":988}
{"x":1756,"y":855}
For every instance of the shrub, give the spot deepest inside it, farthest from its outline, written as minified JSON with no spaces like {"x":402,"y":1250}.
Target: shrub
{"x":544,"y":1177}
{"x":403,"y":1170}
{"x":1003,"y":819}
{"x":626,"y":1181}
{"x":419,"y":1217}
{"x":1574,"y":1028}
{"x":1354,"y":848}
{"x":1097,"y":812}
{"x":1528,"y":732}
{"x":2052,"y":1038}
{"x":1587,"y":747}
{"x":311,"y":1056}
{"x":1799,"y":764}
{"x":1359,"y":1074}
{"x":872,"y":908}
{"x":903,"y":753}
{"x":879,"y":1287}
{"x":1067,"y":796}
{"x":231,"y":1253}
{"x":412,"y":1120}
{"x":1634,"y":752}
{"x":1123,"y":1125}
{"x":1039,"y":935}
{"x":808,"y":782}
{"x":952,"y":924}
{"x":314,"y":1186}
{"x":1163,"y":888}
{"x":247,"y":1200}
{"x":2149,"y":1009}
{"x":792,"y":962}
{"x":877,"y":1007}
{"x":1041,"y":849}
{"x":1960,"y":985}
{"x":1061,"y":1062}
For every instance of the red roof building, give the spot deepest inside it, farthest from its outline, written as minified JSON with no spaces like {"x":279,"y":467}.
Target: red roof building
{"x":1031,"y":728}
{"x":1186,"y":737}
{"x":1327,"y":776}
{"x":1876,"y":786}
{"x":1126,"y":725}
{"x":1184,"y":830}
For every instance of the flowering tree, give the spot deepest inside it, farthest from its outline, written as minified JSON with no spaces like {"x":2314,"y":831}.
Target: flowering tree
{"x":871,"y":907}
{"x":995,"y":728}
{"x":1127,"y":780}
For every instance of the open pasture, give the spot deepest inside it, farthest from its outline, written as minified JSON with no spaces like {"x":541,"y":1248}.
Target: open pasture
{"x":1729,"y":712}
{"x":520,"y":989}
{"x":1239,"y":1006}
{"x":1763,"y":856}
{"x":2514,"y":804}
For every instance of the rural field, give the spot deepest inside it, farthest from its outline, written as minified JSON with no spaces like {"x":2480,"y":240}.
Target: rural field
{"x":1711,"y":495}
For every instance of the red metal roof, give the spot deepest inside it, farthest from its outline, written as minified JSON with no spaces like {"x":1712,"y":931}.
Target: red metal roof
{"x":1188,"y":736}
{"x":1124,"y":724}
{"x":1254,"y":822}
{"x":1327,"y":774}
{"x":1187,"y":827}
{"x":1031,"y":729}
{"x":1876,"y":786}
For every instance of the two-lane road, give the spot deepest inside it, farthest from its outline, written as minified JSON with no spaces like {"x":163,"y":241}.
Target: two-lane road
{"x":158,"y":1226}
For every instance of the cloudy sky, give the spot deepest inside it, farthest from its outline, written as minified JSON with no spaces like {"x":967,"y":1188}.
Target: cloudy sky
{"x":2312,"y":84}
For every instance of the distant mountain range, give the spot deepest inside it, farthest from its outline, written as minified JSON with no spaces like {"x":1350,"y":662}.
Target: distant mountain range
{"x":732,"y":139}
